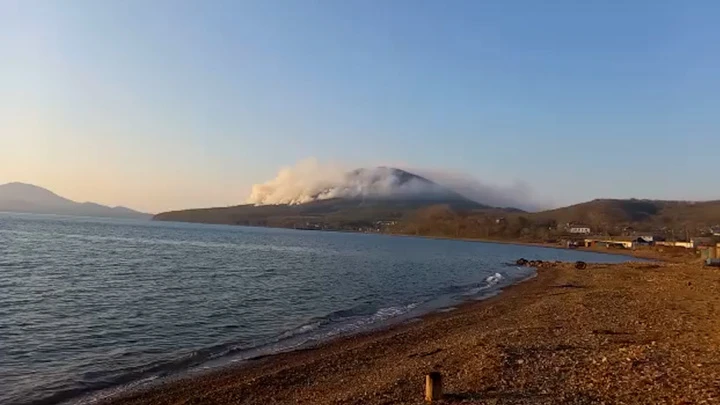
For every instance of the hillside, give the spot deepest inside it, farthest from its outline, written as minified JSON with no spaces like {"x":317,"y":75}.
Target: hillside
{"x":672,"y":219}
{"x":471,"y":220}
{"x":358,"y":200}
{"x":644,"y":214}
{"x":376,"y":183}
{"x":324,"y":214}
{"x":21,"y":197}
{"x":393,"y":200}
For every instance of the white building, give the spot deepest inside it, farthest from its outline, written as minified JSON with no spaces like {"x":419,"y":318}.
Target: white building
{"x":583,"y":230}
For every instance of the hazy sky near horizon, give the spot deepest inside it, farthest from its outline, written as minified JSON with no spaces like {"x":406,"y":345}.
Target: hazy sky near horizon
{"x":162,"y":105}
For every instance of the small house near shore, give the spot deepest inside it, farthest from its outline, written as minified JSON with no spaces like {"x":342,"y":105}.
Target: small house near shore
{"x":687,"y":245}
{"x":579,"y":229}
{"x":703,"y":242}
{"x":610,"y":243}
{"x":624,"y":242}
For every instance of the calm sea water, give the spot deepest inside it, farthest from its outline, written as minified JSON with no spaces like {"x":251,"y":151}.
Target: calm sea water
{"x":88,"y":305}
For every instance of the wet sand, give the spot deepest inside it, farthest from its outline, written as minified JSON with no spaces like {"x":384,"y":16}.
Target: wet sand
{"x":641,"y":333}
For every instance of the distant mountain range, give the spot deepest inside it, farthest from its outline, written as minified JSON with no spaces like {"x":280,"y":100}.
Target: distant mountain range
{"x":22,"y":197}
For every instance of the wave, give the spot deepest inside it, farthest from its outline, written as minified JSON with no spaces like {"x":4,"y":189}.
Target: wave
{"x":490,"y":282}
{"x":347,"y":320}
{"x":358,"y":318}
{"x":98,"y":385}
{"x":364,"y":315}
{"x":105,"y":383}
{"x":494,"y":279}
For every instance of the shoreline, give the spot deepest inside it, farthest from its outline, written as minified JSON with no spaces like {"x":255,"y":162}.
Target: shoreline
{"x":297,"y":375}
{"x":646,"y":253}
{"x":340,"y":342}
{"x":267,"y":354}
{"x":642,"y":253}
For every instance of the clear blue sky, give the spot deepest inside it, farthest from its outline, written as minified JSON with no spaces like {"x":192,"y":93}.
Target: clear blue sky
{"x":170,"y":104}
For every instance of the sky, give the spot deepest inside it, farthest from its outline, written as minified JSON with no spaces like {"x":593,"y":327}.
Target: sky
{"x":176,"y":104}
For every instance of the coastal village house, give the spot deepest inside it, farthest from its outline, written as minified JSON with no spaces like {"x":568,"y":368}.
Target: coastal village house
{"x":687,"y":245}
{"x":580,"y":230}
{"x":715,"y":230}
{"x":626,"y":242}
{"x":703,"y":242}
{"x":648,"y":239}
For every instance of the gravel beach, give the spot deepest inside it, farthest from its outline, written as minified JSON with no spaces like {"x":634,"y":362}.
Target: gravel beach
{"x":634,"y":333}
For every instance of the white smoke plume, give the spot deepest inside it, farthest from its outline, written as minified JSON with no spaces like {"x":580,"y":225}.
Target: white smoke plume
{"x":298,"y":184}
{"x":309,"y":181}
{"x":518,"y":195}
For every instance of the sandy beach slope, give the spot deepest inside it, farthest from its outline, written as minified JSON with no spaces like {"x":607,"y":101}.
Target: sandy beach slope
{"x":638,"y":333}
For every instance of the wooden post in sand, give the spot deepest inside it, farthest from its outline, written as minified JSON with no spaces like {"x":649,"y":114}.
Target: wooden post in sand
{"x":433,"y":386}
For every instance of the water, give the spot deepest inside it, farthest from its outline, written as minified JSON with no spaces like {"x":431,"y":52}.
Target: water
{"x":87,"y":305}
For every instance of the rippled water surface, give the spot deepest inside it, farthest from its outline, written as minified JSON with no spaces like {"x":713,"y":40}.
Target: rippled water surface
{"x":91,"y":304}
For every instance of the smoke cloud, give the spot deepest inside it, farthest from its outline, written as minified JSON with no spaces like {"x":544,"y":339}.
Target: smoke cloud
{"x":518,"y":195}
{"x":298,"y":184}
{"x":308,"y":181}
